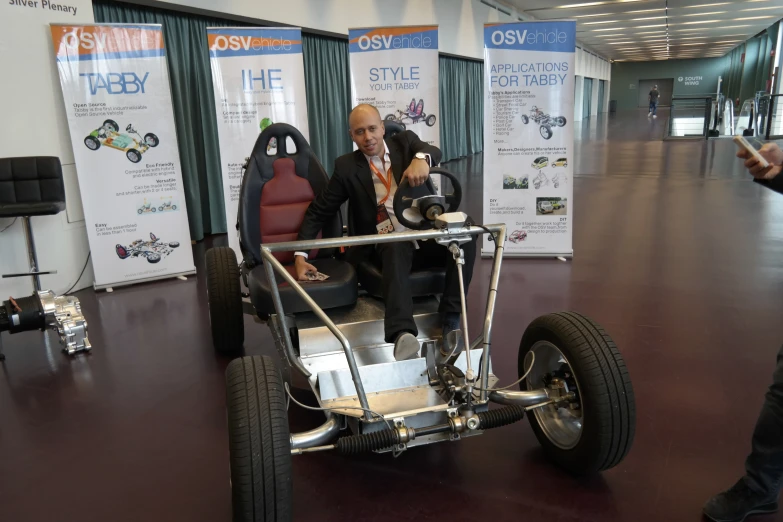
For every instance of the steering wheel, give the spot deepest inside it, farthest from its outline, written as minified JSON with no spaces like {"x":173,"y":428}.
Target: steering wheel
{"x":430,"y":206}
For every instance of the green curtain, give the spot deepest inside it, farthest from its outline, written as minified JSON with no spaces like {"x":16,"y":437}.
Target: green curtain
{"x":328,"y":87}
{"x":194,"y":105}
{"x":461,"y":107}
{"x":327,"y":79}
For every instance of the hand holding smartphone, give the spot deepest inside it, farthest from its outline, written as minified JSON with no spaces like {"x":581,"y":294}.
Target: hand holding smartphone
{"x":744,"y":144}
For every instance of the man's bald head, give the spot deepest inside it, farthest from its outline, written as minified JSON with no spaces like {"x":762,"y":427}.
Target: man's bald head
{"x":363,"y":109}
{"x":366,"y":129}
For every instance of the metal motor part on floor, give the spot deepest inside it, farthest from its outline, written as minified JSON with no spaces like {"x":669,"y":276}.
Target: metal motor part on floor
{"x":33,"y":186}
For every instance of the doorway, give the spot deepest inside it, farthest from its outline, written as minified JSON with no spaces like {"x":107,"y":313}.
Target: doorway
{"x":587,"y":98}
{"x":601,"y":92}
{"x":665,"y":87}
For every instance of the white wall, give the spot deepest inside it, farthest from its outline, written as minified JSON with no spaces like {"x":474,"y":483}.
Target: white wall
{"x":34,"y":124}
{"x":590,"y":65}
{"x":461,"y":22}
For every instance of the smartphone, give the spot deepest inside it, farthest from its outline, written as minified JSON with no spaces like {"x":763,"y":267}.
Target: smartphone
{"x":744,"y":144}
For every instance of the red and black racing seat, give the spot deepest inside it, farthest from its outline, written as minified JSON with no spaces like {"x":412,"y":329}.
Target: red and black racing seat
{"x":276,"y":191}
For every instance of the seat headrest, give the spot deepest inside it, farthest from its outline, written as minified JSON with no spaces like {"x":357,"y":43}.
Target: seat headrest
{"x":392,"y":128}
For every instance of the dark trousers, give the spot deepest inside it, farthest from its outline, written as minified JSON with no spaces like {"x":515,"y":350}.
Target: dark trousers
{"x":764,"y":466}
{"x":398,"y":259}
{"x":653,"y":107}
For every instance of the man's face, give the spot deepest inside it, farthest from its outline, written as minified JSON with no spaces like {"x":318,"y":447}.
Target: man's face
{"x":366,"y":130}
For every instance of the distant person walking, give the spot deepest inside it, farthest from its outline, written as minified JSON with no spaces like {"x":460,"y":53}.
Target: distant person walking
{"x":654,"y":95}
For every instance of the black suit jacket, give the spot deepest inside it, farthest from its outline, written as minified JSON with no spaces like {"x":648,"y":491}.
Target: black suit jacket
{"x":352,"y":181}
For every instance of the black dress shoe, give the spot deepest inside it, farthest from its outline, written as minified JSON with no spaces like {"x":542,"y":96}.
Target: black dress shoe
{"x":739,"y":502}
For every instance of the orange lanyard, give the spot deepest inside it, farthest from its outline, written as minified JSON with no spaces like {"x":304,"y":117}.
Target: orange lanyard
{"x":386,"y":182}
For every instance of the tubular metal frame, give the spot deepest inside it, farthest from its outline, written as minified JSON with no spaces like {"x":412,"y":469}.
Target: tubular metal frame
{"x":272,"y":265}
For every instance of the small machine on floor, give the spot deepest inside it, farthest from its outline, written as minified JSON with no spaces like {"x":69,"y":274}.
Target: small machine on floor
{"x":33,"y":186}
{"x":573,"y":383}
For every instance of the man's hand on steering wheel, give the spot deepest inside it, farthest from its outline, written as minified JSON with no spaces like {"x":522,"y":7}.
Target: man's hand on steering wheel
{"x":303,"y":268}
{"x":417,"y":173}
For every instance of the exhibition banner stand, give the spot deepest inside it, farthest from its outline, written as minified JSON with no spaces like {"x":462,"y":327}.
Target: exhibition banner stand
{"x":528,"y":138}
{"x":258,"y":77}
{"x":117,"y":98}
{"x":396,"y":70}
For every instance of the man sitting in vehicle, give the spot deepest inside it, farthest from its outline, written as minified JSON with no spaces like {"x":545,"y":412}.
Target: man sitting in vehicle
{"x":368,"y":178}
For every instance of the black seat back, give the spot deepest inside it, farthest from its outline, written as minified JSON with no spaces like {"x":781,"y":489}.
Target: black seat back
{"x":276,"y":191}
{"x":31,"y":186}
{"x":392,"y":128}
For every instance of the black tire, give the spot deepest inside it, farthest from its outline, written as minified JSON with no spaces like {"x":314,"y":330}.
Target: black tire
{"x":259,"y":441}
{"x":153,"y":258}
{"x":173,"y":207}
{"x":546,"y":132}
{"x":608,"y":413}
{"x":225,"y":300}
{"x":430,"y":121}
{"x":133,"y":155}
{"x":151,"y":140}
{"x":561,"y":121}
{"x":525,"y":119}
{"x":174,"y":244}
{"x":92,"y":143}
{"x":390,"y":117}
{"x":112,"y":124}
{"x":141,"y":211}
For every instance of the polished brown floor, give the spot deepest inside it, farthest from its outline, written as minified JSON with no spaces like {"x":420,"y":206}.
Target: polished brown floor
{"x":677,"y":253}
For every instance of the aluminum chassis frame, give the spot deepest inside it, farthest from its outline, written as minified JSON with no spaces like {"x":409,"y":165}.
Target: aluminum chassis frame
{"x":312,"y":440}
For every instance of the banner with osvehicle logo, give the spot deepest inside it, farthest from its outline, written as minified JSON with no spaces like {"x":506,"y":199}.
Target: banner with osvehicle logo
{"x":528,"y":138}
{"x":258,"y":78}
{"x":115,"y":85}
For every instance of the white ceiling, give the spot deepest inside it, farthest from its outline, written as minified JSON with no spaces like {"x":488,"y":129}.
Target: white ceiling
{"x":639,"y":30}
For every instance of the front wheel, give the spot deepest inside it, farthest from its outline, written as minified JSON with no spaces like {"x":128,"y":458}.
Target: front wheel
{"x":151,"y":140}
{"x":593,"y":431}
{"x":430,"y":121}
{"x":525,"y":119}
{"x":133,"y":155}
{"x":546,"y":132}
{"x":561,"y":121}
{"x":259,"y":441}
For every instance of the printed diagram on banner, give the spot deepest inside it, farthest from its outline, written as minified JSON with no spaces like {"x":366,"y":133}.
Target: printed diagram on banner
{"x":132,"y":144}
{"x":528,"y":142}
{"x":395,"y":69}
{"x":153,"y":250}
{"x":258,"y":79}
{"x":117,"y":97}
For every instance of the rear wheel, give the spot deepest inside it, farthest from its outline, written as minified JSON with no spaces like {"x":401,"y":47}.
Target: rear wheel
{"x":225,"y":300}
{"x":389,"y":117}
{"x":525,"y":119}
{"x":259,"y":441}
{"x":546,"y":132}
{"x":112,"y":125}
{"x":92,"y":143}
{"x":561,"y":121}
{"x":593,"y":432}
{"x":430,"y":121}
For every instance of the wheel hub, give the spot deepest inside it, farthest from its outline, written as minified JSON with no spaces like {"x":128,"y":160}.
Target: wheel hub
{"x":562,"y":421}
